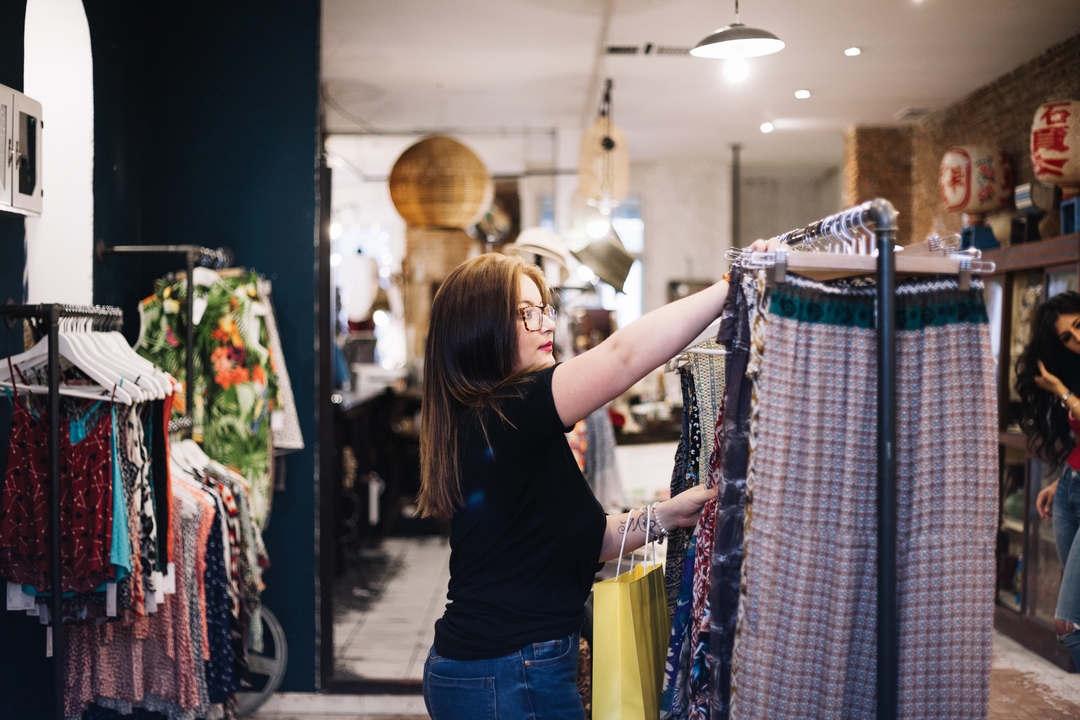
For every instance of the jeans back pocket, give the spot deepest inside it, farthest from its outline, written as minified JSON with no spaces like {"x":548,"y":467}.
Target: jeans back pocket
{"x":460,"y":698}
{"x":552,"y":651}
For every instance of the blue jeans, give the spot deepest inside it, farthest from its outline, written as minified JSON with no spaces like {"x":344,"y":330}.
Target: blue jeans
{"x":539,"y":681}
{"x":1066,"y":524}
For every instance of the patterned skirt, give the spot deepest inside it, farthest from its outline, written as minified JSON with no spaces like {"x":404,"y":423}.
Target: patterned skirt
{"x":806,"y":635}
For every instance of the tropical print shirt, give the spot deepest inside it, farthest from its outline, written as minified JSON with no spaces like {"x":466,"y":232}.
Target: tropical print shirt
{"x":236,"y":386}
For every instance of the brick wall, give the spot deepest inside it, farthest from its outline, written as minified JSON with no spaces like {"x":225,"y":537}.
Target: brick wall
{"x":877,"y":163}
{"x":999,"y":115}
{"x":900,"y":163}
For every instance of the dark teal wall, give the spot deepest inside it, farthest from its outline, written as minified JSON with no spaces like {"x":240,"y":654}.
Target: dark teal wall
{"x":25,"y":673}
{"x":206,"y":132}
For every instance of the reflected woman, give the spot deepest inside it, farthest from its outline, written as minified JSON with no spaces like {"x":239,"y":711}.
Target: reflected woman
{"x":1048,"y":381}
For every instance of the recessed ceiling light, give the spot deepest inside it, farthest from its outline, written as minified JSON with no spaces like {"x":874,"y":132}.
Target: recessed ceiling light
{"x":802,"y":94}
{"x":852,"y":51}
{"x":766,"y":127}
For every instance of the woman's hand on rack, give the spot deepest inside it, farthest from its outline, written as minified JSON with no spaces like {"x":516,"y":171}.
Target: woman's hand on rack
{"x":1044,"y":503}
{"x":765,"y":245}
{"x":683,"y":509}
{"x":1049,"y":382}
{"x":680,"y":511}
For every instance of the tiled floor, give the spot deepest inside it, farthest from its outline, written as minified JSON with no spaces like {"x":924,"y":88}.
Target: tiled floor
{"x":391,"y":639}
{"x":1023,"y":686}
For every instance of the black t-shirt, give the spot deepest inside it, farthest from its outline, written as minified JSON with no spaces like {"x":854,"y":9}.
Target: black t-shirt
{"x":526,"y":545}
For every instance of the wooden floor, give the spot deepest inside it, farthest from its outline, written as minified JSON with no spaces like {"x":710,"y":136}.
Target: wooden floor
{"x":1015,"y":694}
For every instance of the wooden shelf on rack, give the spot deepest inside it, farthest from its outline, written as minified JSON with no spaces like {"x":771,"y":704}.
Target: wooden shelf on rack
{"x":1040,"y":254}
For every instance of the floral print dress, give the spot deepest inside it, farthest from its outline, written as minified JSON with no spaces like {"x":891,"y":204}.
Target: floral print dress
{"x":235,"y":385}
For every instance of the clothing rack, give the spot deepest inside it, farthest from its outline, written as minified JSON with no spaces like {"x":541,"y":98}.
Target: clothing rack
{"x":50,"y":316}
{"x":881,"y":215}
{"x":193,"y":255}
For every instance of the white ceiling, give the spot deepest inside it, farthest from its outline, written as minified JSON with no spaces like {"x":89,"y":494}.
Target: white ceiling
{"x":506,"y":72}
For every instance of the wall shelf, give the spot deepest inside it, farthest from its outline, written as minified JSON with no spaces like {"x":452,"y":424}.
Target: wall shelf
{"x":1042,"y":253}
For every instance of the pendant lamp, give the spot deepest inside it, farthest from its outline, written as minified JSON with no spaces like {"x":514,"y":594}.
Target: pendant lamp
{"x":737,"y":40}
{"x":604,"y":160}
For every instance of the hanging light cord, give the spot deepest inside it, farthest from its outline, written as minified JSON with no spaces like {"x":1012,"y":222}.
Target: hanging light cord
{"x":607,"y":143}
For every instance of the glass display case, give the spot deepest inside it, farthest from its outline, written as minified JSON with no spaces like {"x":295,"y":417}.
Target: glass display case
{"x":1028,"y":569}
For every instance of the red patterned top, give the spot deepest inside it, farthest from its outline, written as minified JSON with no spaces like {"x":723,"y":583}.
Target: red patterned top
{"x":86,"y":488}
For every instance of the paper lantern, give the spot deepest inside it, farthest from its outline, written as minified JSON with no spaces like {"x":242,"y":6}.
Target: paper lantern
{"x":604,"y":165}
{"x":975,"y":180}
{"x":1055,"y":145}
{"x":438,"y":183}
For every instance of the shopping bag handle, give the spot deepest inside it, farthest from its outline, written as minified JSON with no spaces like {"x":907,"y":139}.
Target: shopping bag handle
{"x":645,"y":551}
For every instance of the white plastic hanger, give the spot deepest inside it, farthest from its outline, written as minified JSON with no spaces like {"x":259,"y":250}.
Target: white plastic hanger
{"x":110,"y":382}
{"x":106,"y":364}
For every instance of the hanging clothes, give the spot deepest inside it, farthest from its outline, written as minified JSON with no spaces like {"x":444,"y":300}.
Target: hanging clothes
{"x":86,"y":497}
{"x":709,"y":386}
{"x":805,"y":642}
{"x":236,"y":389}
{"x":691,"y":682}
{"x":162,"y":558}
{"x":150,"y":662}
{"x":601,"y":468}
{"x":285,"y":421}
{"x":675,"y":697}
{"x":730,"y":469}
{"x":678,"y":541}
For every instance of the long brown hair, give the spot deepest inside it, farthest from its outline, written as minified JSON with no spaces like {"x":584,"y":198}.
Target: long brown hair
{"x":471,"y":354}
{"x":1042,"y":416}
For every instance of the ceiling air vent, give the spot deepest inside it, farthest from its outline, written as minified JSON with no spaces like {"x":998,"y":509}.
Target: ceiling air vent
{"x":647,"y":49}
{"x":911,"y":113}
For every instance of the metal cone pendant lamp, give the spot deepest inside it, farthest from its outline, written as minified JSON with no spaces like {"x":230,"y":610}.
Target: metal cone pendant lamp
{"x":737,"y":40}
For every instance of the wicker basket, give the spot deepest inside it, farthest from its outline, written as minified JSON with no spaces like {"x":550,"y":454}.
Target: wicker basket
{"x":439,"y":183}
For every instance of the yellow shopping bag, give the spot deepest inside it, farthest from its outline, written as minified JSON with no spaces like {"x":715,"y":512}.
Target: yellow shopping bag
{"x":631,"y":629}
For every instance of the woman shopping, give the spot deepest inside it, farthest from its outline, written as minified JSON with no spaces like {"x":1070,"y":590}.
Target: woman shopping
{"x":1048,"y":378}
{"x":526,"y":533}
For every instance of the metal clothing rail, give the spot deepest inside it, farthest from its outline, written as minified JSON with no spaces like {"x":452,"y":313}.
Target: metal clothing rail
{"x":881,"y":217}
{"x":50,"y":316}
{"x":193,"y":255}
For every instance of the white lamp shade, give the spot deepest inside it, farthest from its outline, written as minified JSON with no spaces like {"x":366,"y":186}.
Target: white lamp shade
{"x":737,"y":40}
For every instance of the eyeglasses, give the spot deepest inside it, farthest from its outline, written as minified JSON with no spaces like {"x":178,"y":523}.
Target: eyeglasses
{"x":533,"y":316}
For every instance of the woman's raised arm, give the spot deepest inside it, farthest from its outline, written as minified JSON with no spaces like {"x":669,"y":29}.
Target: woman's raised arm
{"x":594,"y":378}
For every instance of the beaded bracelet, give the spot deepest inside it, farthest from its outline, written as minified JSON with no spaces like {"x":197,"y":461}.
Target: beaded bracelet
{"x":657,"y":536}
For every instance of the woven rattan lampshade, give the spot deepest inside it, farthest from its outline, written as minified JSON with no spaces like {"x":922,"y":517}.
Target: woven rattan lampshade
{"x":438,"y":183}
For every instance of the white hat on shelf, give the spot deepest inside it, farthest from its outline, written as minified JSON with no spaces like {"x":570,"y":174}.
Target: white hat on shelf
{"x":538,"y":241}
